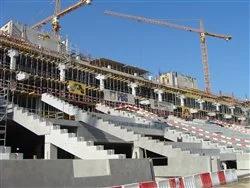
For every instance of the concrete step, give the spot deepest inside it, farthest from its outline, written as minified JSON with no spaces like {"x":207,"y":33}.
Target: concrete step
{"x":128,"y":134}
{"x":61,"y":137}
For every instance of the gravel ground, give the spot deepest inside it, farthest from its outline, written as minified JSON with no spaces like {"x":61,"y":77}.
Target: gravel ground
{"x":243,"y":183}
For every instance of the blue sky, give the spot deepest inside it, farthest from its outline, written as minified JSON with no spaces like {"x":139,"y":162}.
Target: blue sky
{"x":153,"y":47}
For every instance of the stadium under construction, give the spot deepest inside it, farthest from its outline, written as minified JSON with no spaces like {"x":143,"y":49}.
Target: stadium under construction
{"x":68,"y":120}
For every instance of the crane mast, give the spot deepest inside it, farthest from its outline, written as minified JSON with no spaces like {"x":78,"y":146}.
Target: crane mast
{"x":201,"y":31}
{"x":204,"y":58}
{"x":55,"y":21}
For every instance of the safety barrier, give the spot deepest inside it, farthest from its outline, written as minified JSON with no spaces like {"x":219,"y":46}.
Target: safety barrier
{"x":203,"y":180}
{"x":189,"y":182}
{"x":171,"y":183}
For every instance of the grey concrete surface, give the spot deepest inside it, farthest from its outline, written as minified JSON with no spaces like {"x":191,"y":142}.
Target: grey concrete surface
{"x":66,"y":173}
{"x":243,"y":161}
{"x":96,"y":135}
{"x":88,"y":132}
{"x":185,"y":166}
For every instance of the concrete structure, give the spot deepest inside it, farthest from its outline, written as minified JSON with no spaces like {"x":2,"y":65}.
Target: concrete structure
{"x":73,"y":173}
{"x":42,"y":39}
{"x":139,"y":140}
{"x":56,"y":137}
{"x":85,"y":72}
{"x":217,"y":106}
{"x":101,"y":79}
{"x":41,"y":126}
{"x":62,"y":68}
{"x":13,"y":54}
{"x":200,"y":101}
{"x":182,"y":97}
{"x":184,"y":167}
{"x":109,"y":110}
{"x":243,"y":161}
{"x":133,"y":86}
{"x":178,"y":80}
{"x":159,"y":93}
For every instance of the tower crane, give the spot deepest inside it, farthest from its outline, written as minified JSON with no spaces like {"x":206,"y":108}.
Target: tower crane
{"x":201,"y":31}
{"x":60,"y":13}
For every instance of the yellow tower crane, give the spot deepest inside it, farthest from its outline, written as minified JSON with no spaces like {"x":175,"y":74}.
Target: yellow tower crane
{"x":60,"y":13}
{"x":201,"y":31}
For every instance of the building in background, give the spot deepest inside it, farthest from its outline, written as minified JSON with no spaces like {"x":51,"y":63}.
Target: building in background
{"x":178,"y":80}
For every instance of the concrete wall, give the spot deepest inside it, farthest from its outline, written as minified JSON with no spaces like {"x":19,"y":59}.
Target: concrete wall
{"x":180,"y":166}
{"x":73,"y":173}
{"x":243,"y":161}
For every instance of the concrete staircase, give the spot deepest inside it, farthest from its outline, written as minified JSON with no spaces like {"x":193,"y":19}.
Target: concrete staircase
{"x":139,"y":140}
{"x":187,"y":136}
{"x":69,"y":142}
{"x":109,"y":110}
{"x":32,"y":122}
{"x":172,"y":134}
{"x":66,"y":107}
{"x":5,"y":154}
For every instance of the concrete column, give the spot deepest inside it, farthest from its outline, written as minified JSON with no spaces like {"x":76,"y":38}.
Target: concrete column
{"x":13,"y":54}
{"x":159,"y":92}
{"x":217,"y":106}
{"x":50,"y":151}
{"x":137,"y":153}
{"x":101,"y":78}
{"x":133,"y":87}
{"x":232,"y":109}
{"x":200,"y":101}
{"x":182,"y":97}
{"x":62,"y":68}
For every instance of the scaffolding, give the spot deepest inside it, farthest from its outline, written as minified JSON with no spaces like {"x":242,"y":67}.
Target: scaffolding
{"x":4,"y":93}
{"x":41,"y":66}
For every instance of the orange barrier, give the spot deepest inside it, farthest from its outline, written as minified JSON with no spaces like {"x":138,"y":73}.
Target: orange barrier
{"x":151,"y":184}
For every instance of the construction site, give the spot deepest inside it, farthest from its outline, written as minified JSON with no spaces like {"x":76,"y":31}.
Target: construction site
{"x":68,"y":120}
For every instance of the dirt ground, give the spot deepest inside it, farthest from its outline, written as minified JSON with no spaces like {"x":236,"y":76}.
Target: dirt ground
{"x":243,"y":183}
